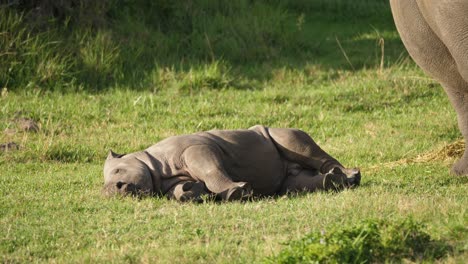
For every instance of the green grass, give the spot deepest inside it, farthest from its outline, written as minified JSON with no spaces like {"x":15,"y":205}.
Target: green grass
{"x":362,"y":112}
{"x":49,"y":46}
{"x":369,"y":241}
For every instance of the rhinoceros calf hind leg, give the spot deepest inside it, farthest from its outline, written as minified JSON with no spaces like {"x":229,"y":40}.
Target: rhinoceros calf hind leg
{"x":298,"y":147}
{"x":442,"y":55}
{"x":310,"y":181}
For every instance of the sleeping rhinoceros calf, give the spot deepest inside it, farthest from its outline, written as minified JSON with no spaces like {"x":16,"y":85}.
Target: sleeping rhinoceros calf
{"x":435,"y":33}
{"x":230,"y":164}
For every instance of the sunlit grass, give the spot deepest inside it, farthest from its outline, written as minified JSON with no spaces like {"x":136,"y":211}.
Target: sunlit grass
{"x":378,"y":116}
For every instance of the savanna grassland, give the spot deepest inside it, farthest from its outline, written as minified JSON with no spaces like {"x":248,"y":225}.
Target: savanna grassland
{"x":91,"y":76}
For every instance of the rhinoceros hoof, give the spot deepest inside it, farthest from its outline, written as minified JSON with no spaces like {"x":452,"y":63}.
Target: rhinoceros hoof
{"x":460,"y":168}
{"x":193,"y":192}
{"x":334,"y":181}
{"x":241,"y":192}
{"x":190,"y":197}
{"x":353,"y":177}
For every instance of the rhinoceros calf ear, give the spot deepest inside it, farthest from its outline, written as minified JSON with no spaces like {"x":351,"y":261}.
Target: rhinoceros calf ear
{"x":113,"y":155}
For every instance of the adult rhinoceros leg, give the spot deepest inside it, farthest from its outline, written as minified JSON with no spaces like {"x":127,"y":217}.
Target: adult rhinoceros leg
{"x":438,"y":43}
{"x":204,"y":164}
{"x":298,"y":147}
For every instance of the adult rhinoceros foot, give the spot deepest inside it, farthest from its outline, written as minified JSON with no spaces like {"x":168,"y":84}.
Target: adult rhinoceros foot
{"x":460,"y":168}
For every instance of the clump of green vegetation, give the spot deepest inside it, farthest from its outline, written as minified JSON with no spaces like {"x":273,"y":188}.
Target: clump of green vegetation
{"x":367,"y":242}
{"x":84,"y":45}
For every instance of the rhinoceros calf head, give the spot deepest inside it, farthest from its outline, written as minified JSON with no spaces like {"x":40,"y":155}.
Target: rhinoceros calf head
{"x":126,"y":174}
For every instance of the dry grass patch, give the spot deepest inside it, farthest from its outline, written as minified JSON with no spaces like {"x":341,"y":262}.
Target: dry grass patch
{"x":446,"y":153}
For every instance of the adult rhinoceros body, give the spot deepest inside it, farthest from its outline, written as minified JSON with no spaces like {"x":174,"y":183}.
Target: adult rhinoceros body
{"x":435,"y":33}
{"x":228,"y":163}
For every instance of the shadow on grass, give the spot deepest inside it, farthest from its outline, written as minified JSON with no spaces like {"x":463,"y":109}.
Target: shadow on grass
{"x":197,"y":45}
{"x":321,"y":55}
{"x":211,"y":198}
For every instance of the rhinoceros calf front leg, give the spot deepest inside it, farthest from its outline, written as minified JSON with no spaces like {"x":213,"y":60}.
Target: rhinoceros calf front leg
{"x":204,"y":164}
{"x":186,"y":191}
{"x":435,"y":33}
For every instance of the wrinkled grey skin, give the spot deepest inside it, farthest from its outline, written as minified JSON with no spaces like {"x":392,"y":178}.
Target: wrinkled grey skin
{"x":435,"y":33}
{"x":229,"y":164}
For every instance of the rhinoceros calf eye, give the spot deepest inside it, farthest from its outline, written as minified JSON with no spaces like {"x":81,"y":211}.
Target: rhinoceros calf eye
{"x":117,"y":171}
